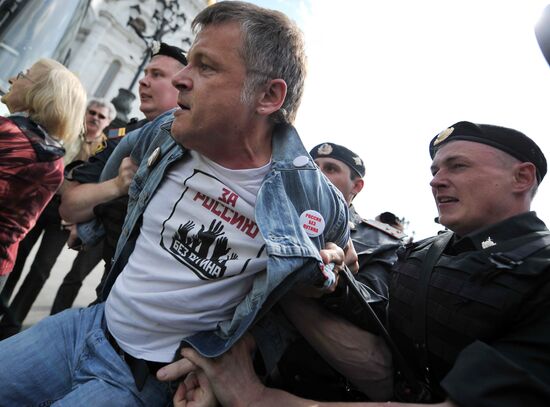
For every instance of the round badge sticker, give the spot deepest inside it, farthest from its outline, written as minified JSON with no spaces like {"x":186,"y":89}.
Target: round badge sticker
{"x":312,"y":222}
{"x":300,"y":161}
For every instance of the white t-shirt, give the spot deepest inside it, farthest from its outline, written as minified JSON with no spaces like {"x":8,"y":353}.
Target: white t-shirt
{"x":194,"y":260}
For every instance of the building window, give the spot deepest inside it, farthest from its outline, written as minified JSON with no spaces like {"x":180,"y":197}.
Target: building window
{"x":108,"y":79}
{"x":36,"y":29}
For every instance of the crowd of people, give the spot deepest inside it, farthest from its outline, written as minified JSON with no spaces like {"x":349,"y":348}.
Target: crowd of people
{"x":237,"y":269}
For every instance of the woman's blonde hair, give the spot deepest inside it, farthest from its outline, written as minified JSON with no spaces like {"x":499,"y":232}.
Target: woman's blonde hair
{"x":57,"y":101}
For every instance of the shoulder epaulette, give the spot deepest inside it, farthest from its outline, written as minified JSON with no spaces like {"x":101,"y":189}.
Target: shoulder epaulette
{"x":100,"y":147}
{"x":384,"y":227}
{"x":116,"y":133}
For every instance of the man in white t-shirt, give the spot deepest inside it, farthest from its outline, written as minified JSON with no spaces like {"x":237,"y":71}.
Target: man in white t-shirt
{"x":227,"y":212}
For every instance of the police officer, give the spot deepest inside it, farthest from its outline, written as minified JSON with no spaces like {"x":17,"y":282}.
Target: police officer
{"x":85,"y":197}
{"x":474,"y":301}
{"x":302,"y":371}
{"x":470,"y":308}
{"x":156,"y":97}
{"x":374,"y":241}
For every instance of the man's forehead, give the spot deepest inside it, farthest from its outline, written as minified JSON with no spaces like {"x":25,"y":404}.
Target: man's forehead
{"x":321,"y":161}
{"x":97,"y":106}
{"x":463,"y":147}
{"x":328,"y":160}
{"x":453,"y":150}
{"x":162,"y":62}
{"x":218,"y":31}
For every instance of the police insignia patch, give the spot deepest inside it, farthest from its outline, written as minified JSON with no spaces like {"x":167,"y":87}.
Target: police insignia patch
{"x":155,"y":47}
{"x":324,"y":149}
{"x":115,"y":133}
{"x":100,"y":148}
{"x":443,"y":135}
{"x":487,"y":243}
{"x":357,"y":160}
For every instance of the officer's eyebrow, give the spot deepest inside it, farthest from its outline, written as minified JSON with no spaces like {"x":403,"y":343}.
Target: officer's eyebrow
{"x":447,"y":161}
{"x":153,"y":69}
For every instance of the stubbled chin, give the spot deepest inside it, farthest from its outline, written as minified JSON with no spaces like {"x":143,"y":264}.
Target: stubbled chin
{"x":178,"y":129}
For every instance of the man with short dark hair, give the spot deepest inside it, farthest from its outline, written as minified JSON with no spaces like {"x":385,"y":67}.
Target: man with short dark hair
{"x":82,"y":192}
{"x":374,"y":241}
{"x":302,"y":370}
{"x":469,"y":308}
{"x":97,"y":202}
{"x":222,"y":220}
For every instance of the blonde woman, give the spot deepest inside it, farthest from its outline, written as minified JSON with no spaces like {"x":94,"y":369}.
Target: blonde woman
{"x":99,"y":114}
{"x":47,"y":105}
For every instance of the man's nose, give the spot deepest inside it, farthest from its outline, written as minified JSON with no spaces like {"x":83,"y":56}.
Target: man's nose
{"x":182,"y":80}
{"x":438,"y":180}
{"x":143,"y":81}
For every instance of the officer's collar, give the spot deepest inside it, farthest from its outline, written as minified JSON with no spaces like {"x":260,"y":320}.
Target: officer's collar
{"x":499,"y":232}
{"x":354,"y":217}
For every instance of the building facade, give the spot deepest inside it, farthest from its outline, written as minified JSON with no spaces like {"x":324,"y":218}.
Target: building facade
{"x":109,"y":53}
{"x":92,"y":38}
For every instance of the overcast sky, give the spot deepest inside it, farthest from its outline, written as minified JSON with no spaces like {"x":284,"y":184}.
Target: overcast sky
{"x":386,"y":76}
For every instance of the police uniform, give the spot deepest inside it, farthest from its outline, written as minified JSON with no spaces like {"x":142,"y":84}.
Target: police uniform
{"x":90,"y":171}
{"x":112,"y":213}
{"x":476,"y":326}
{"x":376,"y":244}
{"x":302,"y":371}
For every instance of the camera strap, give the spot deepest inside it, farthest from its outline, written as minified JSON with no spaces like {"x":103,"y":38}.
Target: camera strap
{"x":398,"y":358}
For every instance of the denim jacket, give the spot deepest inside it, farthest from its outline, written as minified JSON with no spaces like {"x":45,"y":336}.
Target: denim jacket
{"x":134,"y":144}
{"x":286,"y":192}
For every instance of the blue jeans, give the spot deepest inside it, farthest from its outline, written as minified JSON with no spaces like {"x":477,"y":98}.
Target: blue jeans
{"x":65,"y":360}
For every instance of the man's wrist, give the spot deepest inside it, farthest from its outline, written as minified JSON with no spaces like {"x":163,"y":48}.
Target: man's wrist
{"x":117,"y":187}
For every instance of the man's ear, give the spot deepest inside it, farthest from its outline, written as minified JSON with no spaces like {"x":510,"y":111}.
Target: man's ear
{"x":525,"y":177}
{"x":358,"y":185}
{"x":272,"y":97}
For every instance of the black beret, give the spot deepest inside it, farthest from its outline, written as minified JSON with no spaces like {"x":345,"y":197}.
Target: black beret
{"x":161,"y":48}
{"x":340,"y":153}
{"x":510,"y":141}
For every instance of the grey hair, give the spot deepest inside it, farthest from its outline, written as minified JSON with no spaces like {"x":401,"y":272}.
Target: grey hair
{"x":273,"y":48}
{"x":102,"y":102}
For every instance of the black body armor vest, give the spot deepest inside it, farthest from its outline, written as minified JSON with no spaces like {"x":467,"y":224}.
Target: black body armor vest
{"x":474,"y":295}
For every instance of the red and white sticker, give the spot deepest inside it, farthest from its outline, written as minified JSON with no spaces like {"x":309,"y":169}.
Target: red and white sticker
{"x":312,"y":222}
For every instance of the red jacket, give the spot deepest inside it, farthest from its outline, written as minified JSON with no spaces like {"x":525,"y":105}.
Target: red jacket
{"x":31,"y":170}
